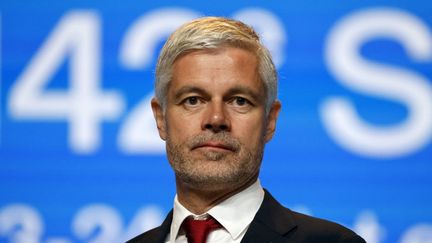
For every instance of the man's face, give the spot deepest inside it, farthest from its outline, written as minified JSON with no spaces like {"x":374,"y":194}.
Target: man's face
{"x":215,"y":124}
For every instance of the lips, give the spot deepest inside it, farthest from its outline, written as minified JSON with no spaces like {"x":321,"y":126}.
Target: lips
{"x":214,"y":146}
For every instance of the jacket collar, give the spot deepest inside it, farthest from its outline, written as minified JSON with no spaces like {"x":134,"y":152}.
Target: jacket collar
{"x":164,"y":228}
{"x":271,"y":222}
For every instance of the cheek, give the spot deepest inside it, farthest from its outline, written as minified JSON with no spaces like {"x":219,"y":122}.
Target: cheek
{"x":180,"y":127}
{"x":250,"y":131}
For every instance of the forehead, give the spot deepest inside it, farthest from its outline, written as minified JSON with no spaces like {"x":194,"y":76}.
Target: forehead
{"x":216,"y":68}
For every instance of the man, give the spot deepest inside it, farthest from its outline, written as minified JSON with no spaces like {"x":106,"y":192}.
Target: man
{"x":216,"y":107}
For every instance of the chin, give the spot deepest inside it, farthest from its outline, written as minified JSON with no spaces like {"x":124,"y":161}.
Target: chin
{"x":206,"y":181}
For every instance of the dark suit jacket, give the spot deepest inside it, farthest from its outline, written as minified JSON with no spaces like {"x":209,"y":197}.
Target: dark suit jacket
{"x":273,"y":223}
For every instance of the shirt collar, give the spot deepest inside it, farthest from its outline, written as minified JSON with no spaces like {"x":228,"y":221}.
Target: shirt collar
{"x":234,"y":214}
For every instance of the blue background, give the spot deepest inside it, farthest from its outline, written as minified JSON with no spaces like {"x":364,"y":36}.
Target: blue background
{"x":383,"y":199}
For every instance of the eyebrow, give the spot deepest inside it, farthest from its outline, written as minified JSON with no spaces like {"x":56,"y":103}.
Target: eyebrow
{"x":238,"y":89}
{"x":188,"y":89}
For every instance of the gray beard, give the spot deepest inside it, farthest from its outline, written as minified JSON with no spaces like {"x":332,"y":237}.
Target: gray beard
{"x":211,"y":170}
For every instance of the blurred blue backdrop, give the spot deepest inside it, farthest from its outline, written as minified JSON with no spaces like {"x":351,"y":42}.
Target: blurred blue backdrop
{"x":80,"y":160}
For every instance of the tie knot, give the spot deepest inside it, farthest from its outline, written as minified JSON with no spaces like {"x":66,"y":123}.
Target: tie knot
{"x":198,"y":230}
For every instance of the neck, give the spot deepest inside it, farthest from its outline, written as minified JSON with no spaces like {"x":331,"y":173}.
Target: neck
{"x":200,"y":200}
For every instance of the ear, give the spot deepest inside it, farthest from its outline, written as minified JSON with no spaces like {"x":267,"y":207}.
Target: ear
{"x":271,"y":120}
{"x":159,"y":117}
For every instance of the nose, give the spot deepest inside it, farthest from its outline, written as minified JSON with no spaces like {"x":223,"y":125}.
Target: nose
{"x":216,"y":119}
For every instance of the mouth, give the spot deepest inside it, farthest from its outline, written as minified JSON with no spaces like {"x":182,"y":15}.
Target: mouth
{"x":215,"y":146}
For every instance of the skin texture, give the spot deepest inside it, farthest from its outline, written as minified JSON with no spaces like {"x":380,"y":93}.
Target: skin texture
{"x":215,"y":125}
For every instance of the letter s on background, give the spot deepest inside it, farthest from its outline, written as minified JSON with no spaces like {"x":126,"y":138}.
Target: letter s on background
{"x":404,"y":86}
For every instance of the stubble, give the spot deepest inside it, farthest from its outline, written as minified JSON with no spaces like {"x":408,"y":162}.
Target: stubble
{"x":214,"y":170}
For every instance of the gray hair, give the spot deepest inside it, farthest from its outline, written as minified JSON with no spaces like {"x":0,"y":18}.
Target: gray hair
{"x":213,"y":33}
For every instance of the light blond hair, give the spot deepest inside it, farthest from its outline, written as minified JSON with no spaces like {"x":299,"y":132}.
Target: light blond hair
{"x":212,"y":33}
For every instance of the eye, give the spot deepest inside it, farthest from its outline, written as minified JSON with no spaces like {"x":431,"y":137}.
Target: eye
{"x":241,"y":104}
{"x":191,"y":101}
{"x":240,"y":101}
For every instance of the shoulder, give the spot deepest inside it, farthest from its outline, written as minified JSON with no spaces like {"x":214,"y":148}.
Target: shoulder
{"x":297,"y":227}
{"x":320,"y":230}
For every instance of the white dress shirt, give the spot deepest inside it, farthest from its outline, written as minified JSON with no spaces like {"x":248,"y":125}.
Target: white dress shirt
{"x":235,"y":215}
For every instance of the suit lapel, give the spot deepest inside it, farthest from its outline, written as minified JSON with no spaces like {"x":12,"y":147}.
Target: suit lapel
{"x":271,"y":222}
{"x":164,"y":229}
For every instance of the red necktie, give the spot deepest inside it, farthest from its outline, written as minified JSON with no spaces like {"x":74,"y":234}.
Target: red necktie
{"x":198,"y":230}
